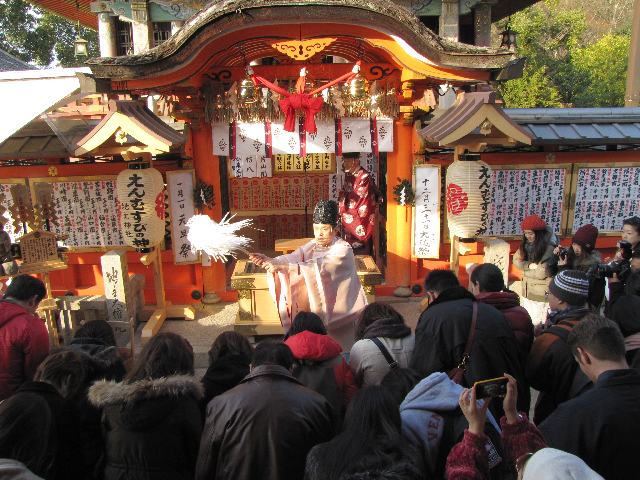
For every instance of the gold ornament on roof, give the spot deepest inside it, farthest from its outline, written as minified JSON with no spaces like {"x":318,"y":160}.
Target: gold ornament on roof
{"x":303,"y":49}
{"x":120,"y":136}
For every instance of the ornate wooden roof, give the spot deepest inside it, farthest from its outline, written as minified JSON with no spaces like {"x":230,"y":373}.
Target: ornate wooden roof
{"x":129,"y":127}
{"x":235,"y":32}
{"x":475,"y":119}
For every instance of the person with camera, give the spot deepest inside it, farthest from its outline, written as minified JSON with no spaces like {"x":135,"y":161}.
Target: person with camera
{"x":533,"y":258}
{"x":551,"y":368}
{"x":582,"y":256}
{"x":523,"y":444}
{"x":626,"y":260}
{"x":626,"y":314}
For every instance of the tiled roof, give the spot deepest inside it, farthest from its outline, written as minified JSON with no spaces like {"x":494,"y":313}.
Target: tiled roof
{"x":579,"y":126}
{"x":10,"y":63}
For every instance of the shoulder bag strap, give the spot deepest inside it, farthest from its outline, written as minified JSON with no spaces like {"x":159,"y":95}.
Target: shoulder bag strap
{"x":387,"y":356}
{"x":471,"y":337}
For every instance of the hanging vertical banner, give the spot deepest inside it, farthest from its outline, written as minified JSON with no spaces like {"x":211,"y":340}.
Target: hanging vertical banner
{"x":220,"y":136}
{"x":426,"y":218}
{"x":180,"y":184}
{"x":283,"y":141}
{"x":369,"y":162}
{"x":236,"y":167}
{"x":356,"y":135}
{"x":335,"y":185}
{"x":324,"y":140}
{"x":384,"y":134}
{"x":250,"y":139}
{"x":264,"y":167}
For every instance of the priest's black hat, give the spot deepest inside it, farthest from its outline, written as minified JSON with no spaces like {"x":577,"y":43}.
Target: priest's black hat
{"x":326,"y":213}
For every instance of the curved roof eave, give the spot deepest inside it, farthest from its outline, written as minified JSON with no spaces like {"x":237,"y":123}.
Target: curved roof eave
{"x":221,"y":18}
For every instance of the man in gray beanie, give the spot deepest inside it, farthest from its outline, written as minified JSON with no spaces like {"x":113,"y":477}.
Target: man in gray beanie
{"x":551,"y":368}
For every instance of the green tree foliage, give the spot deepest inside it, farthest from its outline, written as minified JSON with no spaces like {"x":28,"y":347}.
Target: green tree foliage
{"x":604,"y":67}
{"x":567,"y":65}
{"x":39,"y":37}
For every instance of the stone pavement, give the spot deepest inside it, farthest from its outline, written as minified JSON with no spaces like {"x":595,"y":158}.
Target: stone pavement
{"x":212,"y":320}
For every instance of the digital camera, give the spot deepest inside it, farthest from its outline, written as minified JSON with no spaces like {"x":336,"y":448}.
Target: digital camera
{"x":622,"y":267}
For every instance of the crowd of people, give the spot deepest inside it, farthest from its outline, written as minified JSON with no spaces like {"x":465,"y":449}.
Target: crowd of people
{"x":398,"y":405}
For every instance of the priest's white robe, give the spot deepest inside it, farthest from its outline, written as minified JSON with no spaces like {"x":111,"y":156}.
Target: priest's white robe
{"x":322,"y":280}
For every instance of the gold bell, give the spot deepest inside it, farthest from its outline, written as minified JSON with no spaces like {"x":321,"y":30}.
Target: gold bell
{"x":358,"y":87}
{"x":247,"y":91}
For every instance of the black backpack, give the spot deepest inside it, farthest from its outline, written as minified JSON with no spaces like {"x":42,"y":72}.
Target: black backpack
{"x":320,"y":377}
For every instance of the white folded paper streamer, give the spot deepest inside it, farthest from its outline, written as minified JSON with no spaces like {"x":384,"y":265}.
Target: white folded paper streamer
{"x":217,"y":240}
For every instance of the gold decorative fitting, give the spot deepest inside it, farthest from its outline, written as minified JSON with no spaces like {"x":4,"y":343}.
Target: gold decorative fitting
{"x":53,"y":171}
{"x":247,"y":91}
{"x":485,"y":127}
{"x":120,"y":136}
{"x":242,"y":284}
{"x":244,"y":294}
{"x":303,"y":49}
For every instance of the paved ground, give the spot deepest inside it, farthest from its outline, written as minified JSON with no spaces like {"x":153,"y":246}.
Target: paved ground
{"x":215,"y":319}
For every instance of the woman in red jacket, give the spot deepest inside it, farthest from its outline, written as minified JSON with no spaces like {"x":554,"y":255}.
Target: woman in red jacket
{"x":319,"y":364}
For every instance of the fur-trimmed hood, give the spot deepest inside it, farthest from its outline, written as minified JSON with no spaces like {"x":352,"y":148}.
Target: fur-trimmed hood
{"x":142,"y":404}
{"x":105,"y":392}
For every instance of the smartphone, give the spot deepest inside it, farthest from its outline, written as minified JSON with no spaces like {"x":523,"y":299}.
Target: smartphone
{"x":494,"y":387}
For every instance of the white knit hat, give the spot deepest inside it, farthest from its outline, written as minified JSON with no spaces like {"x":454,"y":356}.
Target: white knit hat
{"x":552,"y":464}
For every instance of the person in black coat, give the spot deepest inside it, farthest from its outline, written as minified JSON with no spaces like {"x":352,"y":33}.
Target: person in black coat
{"x":96,"y":344}
{"x":59,"y":380}
{"x":443,"y":330}
{"x":602,"y":425}
{"x":263,"y":428}
{"x":27,"y":439}
{"x":152,"y":420}
{"x":229,"y":360}
{"x":626,"y":313}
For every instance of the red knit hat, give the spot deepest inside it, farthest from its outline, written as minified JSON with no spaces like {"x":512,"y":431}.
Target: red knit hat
{"x":586,"y":237}
{"x":533,"y":222}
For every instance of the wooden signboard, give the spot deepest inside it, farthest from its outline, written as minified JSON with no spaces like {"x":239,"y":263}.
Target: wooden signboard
{"x":180,"y":184}
{"x":605,"y":196}
{"x":39,"y":253}
{"x":87,"y":210}
{"x":426,"y":216}
{"x":526,"y":190}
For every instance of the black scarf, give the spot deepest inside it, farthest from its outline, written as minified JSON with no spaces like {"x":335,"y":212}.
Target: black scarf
{"x":453,"y":293}
{"x":387,"y":327}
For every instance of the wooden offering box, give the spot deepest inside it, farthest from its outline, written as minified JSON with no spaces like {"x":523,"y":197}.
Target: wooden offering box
{"x":258,"y":314}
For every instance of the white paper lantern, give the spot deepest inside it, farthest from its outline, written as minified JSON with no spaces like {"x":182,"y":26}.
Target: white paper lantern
{"x":468,"y":196}
{"x":140,"y":192}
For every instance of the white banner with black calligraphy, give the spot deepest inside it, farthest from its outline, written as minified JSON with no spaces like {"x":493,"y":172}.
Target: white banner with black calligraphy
{"x":180,"y":184}
{"x":220,"y":135}
{"x":324,"y":140}
{"x":283,"y":141}
{"x":385,"y":134}
{"x":250,"y":139}
{"x":426,"y":219}
{"x":356,"y":135}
